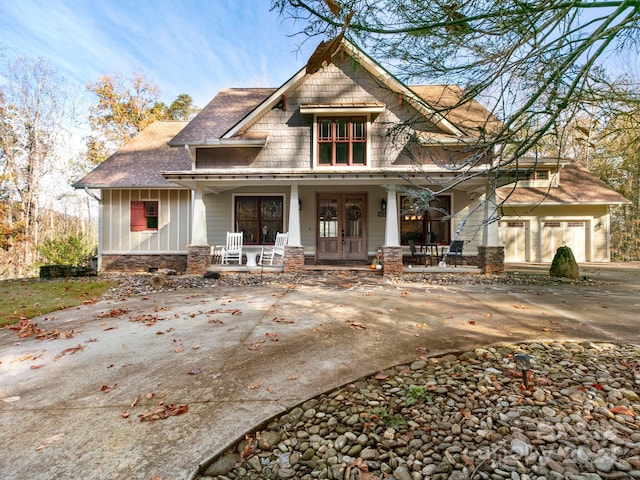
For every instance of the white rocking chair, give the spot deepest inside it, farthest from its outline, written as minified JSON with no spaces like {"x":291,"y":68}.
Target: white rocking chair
{"x":276,"y":250}
{"x":233,"y":249}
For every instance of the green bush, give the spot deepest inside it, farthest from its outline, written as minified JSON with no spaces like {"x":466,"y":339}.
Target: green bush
{"x":74,"y":250}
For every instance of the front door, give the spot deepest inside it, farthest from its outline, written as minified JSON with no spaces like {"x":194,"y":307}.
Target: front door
{"x":342,"y":233}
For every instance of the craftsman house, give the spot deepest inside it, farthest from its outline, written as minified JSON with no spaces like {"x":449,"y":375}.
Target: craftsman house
{"x":321,"y":158}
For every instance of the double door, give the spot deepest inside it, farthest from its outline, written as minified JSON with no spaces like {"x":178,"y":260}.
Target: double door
{"x":342,"y":232}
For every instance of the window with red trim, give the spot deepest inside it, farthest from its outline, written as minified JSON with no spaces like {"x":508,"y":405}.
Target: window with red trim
{"x":144,"y":215}
{"x":342,"y":141}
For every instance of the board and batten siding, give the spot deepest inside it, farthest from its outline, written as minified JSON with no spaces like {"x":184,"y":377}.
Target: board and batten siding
{"x":174,"y":222}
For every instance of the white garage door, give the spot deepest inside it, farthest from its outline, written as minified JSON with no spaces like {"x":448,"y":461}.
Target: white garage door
{"x":572,"y":234}
{"x":513,"y":236}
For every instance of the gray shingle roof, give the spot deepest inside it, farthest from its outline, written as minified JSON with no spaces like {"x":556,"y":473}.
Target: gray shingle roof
{"x":225,"y":110}
{"x":470,"y":116}
{"x":138,"y":163}
{"x":577,"y":185}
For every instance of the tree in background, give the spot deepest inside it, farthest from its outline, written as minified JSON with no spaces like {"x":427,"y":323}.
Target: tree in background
{"x":604,"y":136}
{"x":32,"y":106}
{"x":181,"y":108}
{"x":125,"y":107}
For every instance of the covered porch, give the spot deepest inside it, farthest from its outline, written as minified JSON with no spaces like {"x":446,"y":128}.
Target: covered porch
{"x":338,"y":219}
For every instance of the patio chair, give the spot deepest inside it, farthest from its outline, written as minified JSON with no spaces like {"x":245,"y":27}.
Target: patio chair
{"x":455,"y":250}
{"x":276,"y":250}
{"x":233,"y":248}
{"x":416,"y":253}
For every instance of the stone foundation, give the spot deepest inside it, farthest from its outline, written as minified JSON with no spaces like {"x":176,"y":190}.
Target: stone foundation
{"x":198,"y":259}
{"x":143,"y":263}
{"x":392,"y":260}
{"x":293,"y":259}
{"x":491,"y":260}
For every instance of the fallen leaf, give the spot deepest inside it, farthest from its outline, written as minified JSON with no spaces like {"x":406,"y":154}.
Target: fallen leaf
{"x":163,"y":411}
{"x":381,"y":376}
{"x":35,"y":367}
{"x":472,"y":322}
{"x":135,"y":401}
{"x":125,"y":414}
{"x":70,"y":351}
{"x":179,"y":350}
{"x":622,"y":410}
{"x":282,"y":320}
{"x":254,"y":386}
{"x":114,"y":312}
{"x":195,"y":371}
{"x":248,"y":449}
{"x":357,"y":325}
{"x":107,"y":388}
{"x":294,"y":376}
{"x":543,"y":381}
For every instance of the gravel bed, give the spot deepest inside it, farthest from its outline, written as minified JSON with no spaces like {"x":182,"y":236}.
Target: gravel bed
{"x":464,"y":416}
{"x":144,"y":284}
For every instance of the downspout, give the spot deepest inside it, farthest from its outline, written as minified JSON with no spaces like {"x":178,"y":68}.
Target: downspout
{"x":100,"y":220}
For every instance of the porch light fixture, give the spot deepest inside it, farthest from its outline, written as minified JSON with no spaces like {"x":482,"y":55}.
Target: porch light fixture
{"x":383,"y":204}
{"x":523,"y":363}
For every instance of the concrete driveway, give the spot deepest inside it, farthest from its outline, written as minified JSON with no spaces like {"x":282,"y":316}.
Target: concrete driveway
{"x":156,"y":385}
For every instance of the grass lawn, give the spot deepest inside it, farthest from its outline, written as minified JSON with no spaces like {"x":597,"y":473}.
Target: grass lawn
{"x":32,"y":297}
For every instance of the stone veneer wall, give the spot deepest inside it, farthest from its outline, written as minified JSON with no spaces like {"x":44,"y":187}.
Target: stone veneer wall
{"x":491,"y":260}
{"x":293,"y":259}
{"x":198,"y":259}
{"x":391,"y":260}
{"x":143,"y":263}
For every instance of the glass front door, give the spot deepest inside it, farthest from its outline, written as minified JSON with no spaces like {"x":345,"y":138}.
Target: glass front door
{"x":341,"y":224}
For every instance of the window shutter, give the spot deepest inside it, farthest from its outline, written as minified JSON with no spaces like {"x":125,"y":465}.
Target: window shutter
{"x":138,"y":219}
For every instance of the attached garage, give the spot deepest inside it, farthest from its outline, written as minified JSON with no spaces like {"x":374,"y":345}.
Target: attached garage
{"x":565,"y":205}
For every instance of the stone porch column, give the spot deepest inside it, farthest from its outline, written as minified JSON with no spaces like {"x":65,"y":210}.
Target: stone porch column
{"x":392,"y":251}
{"x":294,"y":251}
{"x":491,"y":253}
{"x":198,"y":251}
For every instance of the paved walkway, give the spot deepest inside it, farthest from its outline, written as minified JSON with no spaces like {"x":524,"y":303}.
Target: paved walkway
{"x":236,"y":356}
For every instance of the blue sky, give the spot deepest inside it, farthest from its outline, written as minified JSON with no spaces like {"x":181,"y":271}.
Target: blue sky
{"x":182,"y":46}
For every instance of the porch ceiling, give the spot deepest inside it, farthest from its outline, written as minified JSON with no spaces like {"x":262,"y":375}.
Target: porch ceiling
{"x":221,"y":181}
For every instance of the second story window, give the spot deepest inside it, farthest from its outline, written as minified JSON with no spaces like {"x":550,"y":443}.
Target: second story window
{"x":342,"y":141}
